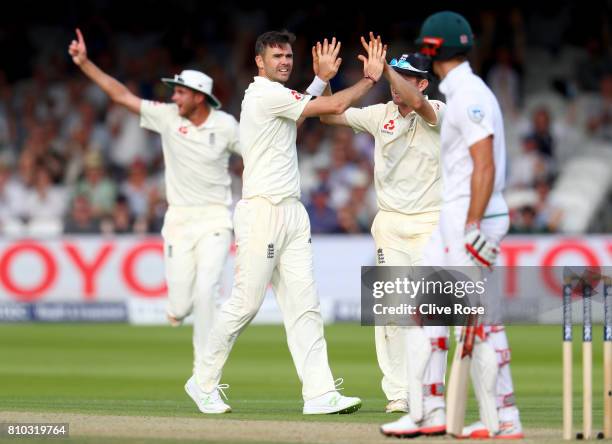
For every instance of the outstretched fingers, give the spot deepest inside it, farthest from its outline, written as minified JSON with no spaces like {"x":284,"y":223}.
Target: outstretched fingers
{"x":80,"y":36}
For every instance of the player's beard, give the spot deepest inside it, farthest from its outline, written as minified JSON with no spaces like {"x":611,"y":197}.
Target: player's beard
{"x":187,"y":109}
{"x":281,"y":77}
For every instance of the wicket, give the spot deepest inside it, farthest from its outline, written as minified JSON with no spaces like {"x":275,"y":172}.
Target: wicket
{"x":587,"y":359}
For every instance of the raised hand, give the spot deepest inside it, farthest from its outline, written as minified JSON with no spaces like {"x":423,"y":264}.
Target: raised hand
{"x":77,"y":49}
{"x":374,"y":63}
{"x":325,"y":60}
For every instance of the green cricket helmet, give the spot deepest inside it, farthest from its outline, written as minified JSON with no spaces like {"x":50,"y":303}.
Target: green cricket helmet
{"x":444,"y":35}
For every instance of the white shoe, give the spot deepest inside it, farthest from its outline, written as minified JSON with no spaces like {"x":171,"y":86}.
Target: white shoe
{"x":332,"y":402}
{"x":434,"y":423}
{"x":207,"y":402}
{"x":507,"y":430}
{"x":510,"y":430}
{"x":397,"y":406}
{"x":402,"y":428}
{"x":476,"y":430}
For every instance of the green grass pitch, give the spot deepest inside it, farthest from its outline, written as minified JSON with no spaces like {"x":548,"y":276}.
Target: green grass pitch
{"x":125,"y":370}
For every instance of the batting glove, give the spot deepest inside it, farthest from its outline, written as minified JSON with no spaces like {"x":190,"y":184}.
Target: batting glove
{"x":480,"y":250}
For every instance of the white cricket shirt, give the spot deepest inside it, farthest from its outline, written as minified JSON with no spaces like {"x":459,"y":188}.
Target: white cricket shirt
{"x":472,"y":114}
{"x":196,"y":157}
{"x":268,"y":133}
{"x":406,"y":156}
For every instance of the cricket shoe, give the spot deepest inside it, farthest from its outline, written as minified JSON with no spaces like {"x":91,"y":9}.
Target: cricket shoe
{"x":397,"y":406}
{"x":207,"y":402}
{"x":507,"y":430}
{"x":402,"y":428}
{"x":434,"y":423}
{"x":332,"y":402}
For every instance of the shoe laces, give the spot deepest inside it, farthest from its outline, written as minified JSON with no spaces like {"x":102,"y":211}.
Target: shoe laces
{"x":338,"y":382}
{"x":222,"y":387}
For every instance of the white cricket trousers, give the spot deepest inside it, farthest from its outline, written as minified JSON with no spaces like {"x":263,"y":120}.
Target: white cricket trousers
{"x":273,"y":245}
{"x":399,"y":239}
{"x":196,"y":244}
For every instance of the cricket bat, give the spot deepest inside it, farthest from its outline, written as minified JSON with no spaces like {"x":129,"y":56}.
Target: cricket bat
{"x":457,"y":389}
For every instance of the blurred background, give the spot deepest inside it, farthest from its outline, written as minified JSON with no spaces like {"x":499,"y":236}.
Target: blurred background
{"x":81,"y":184}
{"x":73,"y":162}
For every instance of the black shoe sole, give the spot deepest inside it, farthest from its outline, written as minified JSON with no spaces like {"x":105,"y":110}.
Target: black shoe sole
{"x":348,"y":410}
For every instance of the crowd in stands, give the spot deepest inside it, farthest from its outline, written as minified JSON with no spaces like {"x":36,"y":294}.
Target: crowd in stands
{"x":71,"y":161}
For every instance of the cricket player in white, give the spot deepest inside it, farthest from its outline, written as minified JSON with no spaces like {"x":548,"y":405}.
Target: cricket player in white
{"x":406,"y":134}
{"x":197,"y":140}
{"x":474,"y":215}
{"x":272,"y":226}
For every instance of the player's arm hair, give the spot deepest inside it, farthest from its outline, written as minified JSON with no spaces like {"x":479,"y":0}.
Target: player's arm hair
{"x":483,"y":178}
{"x":411,"y":96}
{"x":117,"y":91}
{"x":339,"y":102}
{"x":332,"y":119}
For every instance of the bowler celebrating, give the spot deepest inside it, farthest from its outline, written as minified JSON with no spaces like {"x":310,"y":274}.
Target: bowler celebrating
{"x":272,"y":226}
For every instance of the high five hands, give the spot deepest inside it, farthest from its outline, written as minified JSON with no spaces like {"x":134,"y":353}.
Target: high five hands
{"x":325,"y":60}
{"x":374,"y":64}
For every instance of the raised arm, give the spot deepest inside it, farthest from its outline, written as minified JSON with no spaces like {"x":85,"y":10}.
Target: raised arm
{"x":116,"y":90}
{"x":411,"y":95}
{"x":337,"y":103}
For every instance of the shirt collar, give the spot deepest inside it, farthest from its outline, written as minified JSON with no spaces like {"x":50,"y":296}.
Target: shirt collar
{"x":398,"y":115}
{"x":265,"y":80}
{"x":453,"y":79}
{"x":207,"y":123}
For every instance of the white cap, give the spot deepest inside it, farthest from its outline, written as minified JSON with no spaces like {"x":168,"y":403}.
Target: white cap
{"x":197,"y":81}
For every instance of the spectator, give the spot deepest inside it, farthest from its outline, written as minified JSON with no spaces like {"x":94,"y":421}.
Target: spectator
{"x":541,"y":132}
{"x":12,"y":195}
{"x":323,"y":218}
{"x":526,"y":222}
{"x":530,"y":166}
{"x":121,"y":220}
{"x":599,"y":123}
{"x":505,"y":83}
{"x":347,"y":222}
{"x":100,"y":191}
{"x":45,"y":201}
{"x":137,"y":188}
{"x":343,"y":167}
{"x":548,"y":217}
{"x":81,"y":219}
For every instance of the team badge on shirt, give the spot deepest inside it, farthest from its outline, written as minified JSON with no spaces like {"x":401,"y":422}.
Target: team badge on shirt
{"x":296,"y":95}
{"x":388,"y":127}
{"x":476,"y":113}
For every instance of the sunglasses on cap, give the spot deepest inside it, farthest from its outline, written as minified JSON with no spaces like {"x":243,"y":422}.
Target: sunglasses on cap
{"x":405,"y":64}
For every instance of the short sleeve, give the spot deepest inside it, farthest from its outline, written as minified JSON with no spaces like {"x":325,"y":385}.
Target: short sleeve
{"x":364,"y":119}
{"x":283,"y":102}
{"x":153,"y":115}
{"x":475,"y":120}
{"x":440,"y":109}
{"x":234,"y":136}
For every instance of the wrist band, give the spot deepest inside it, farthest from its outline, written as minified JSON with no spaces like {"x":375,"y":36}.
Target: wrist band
{"x":371,"y":78}
{"x":317,"y":87}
